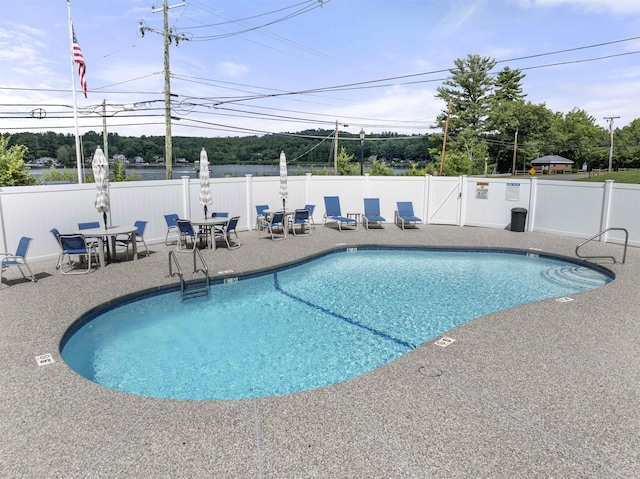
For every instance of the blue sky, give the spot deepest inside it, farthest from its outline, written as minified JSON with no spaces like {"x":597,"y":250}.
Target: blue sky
{"x":233,"y":79}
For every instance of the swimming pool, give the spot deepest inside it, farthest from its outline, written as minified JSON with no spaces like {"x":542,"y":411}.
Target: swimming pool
{"x":323,"y":321}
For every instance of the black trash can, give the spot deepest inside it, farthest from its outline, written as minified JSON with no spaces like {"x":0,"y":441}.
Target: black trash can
{"x":518,"y":219}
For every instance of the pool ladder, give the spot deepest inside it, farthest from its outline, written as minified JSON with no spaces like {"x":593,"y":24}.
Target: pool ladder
{"x":191,"y":289}
{"x":624,"y":253}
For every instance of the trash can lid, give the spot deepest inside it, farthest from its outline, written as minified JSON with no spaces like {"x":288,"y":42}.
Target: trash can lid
{"x":518,"y":210}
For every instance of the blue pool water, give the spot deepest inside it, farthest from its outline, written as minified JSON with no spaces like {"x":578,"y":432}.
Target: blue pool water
{"x":315,"y":324}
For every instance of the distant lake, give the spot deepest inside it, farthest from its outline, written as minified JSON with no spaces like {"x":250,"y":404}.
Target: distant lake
{"x":217,"y":171}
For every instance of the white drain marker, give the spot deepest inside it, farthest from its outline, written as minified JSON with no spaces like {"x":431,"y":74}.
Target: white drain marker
{"x":231,"y":280}
{"x":444,"y":342}
{"x":44,"y":359}
{"x":352,"y":250}
{"x":564,"y":300}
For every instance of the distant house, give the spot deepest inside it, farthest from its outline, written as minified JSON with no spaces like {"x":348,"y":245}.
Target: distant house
{"x":44,"y":162}
{"x":552,"y":164}
{"x":121,"y":158}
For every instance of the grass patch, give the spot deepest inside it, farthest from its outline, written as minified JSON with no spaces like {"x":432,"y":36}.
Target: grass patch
{"x":632,"y":177}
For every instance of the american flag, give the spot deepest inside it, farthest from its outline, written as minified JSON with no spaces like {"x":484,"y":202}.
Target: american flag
{"x":79,"y":59}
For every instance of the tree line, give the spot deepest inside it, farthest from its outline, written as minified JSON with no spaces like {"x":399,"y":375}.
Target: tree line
{"x":487,"y":125}
{"x":308,"y":147}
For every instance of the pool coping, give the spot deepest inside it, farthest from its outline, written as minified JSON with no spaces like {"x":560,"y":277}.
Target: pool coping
{"x":539,"y":390}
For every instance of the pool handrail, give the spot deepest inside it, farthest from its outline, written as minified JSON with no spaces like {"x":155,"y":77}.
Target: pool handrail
{"x":624,"y":253}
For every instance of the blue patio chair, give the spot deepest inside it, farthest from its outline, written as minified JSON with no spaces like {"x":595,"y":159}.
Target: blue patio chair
{"x":273,"y":223}
{"x":334,"y":215}
{"x":311,"y":208}
{"x":137,"y":236}
{"x":187,"y":233}
{"x":87,"y":226}
{"x":260,"y":216}
{"x":75,"y":244}
{"x":219,"y":214}
{"x":19,"y":259}
{"x":56,"y":235}
{"x":372,"y":213}
{"x":171,"y":226}
{"x":226,"y":231}
{"x":405,"y":215}
{"x":301,"y":219}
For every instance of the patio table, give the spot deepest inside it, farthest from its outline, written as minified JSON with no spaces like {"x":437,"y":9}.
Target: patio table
{"x":111,"y":232}
{"x":208,"y":224}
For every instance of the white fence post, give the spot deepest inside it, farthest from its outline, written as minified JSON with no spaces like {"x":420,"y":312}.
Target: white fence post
{"x":186,"y":197}
{"x":427,"y":205}
{"x":532,"y":204}
{"x":606,"y":209}
{"x":462,"y":201}
{"x":249,"y":196}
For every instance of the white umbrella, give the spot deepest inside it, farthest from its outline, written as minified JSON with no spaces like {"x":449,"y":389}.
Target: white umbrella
{"x":205,"y":181}
{"x":284,"y":192}
{"x":100,"y":167}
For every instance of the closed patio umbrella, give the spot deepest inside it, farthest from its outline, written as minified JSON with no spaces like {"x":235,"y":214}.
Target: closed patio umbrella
{"x":100,"y":167}
{"x":284,"y":191}
{"x":205,"y":181}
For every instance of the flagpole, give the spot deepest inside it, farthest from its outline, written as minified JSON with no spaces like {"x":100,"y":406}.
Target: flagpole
{"x":75,"y":101}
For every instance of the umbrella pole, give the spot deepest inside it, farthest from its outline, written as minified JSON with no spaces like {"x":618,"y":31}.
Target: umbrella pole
{"x":106,"y":238}
{"x":205,"y":212}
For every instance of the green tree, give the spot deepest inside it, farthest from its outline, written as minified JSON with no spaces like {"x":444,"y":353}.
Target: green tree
{"x":626,"y":145}
{"x":508,"y":86}
{"x":120,"y":173}
{"x":56,"y":175}
{"x":345,"y":163}
{"x":13,"y":170}
{"x":469,"y":89}
{"x":379,"y":168}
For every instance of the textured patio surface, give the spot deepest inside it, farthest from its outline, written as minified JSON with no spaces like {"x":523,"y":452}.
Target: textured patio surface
{"x":548,"y":389}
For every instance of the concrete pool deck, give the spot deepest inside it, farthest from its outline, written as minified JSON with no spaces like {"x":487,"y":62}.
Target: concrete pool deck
{"x":548,"y":389}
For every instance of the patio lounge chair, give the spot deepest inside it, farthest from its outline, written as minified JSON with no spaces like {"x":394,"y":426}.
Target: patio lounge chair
{"x":405,"y":215}
{"x":19,"y":259}
{"x":75,"y":244}
{"x":226,"y":231}
{"x":334,"y":215}
{"x":272,"y":223}
{"x":301,"y":219}
{"x":187,"y":233}
{"x":171,"y":226}
{"x":372,"y":213}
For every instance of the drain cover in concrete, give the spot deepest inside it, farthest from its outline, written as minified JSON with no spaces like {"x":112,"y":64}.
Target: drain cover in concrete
{"x":444,"y":342}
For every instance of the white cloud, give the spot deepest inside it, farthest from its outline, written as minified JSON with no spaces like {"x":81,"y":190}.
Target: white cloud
{"x":230,"y":69}
{"x":597,"y":6}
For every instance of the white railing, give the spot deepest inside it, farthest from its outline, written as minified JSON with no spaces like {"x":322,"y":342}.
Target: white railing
{"x":554,"y":206}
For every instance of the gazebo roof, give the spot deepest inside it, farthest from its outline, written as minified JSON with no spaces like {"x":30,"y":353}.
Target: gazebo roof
{"x":552,"y":159}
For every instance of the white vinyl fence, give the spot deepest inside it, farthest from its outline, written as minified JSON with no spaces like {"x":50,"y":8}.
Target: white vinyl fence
{"x":554,"y":206}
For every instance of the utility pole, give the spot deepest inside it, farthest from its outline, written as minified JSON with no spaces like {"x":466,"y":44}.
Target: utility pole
{"x":610,"y":118}
{"x":105,"y":142}
{"x":168,"y":35}
{"x":515,"y":149}
{"x":444,"y":141}
{"x":335,"y":149}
